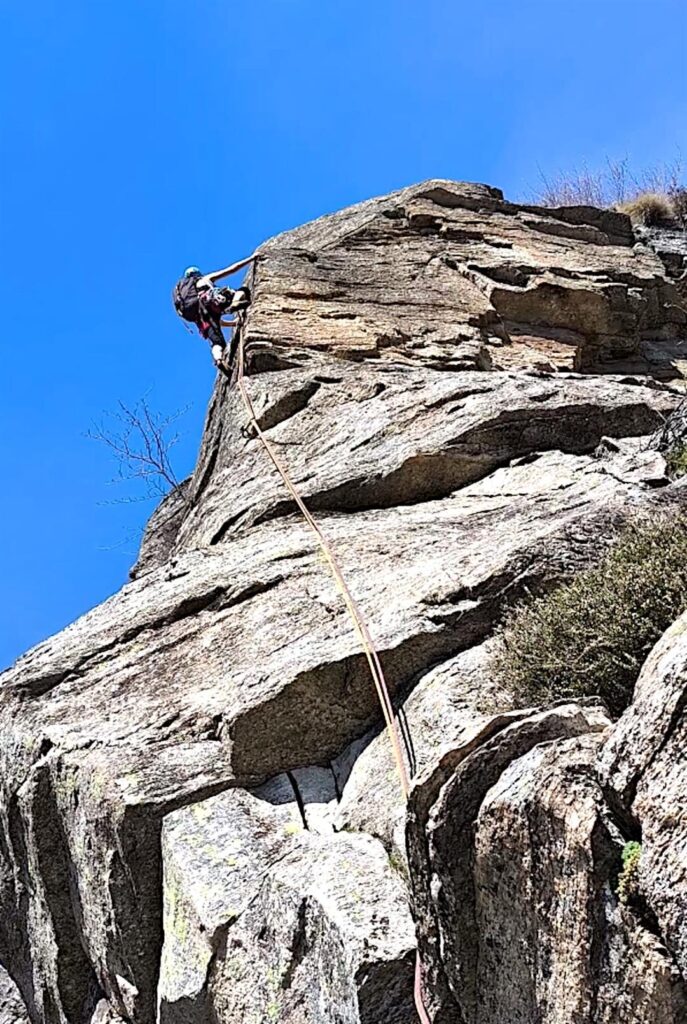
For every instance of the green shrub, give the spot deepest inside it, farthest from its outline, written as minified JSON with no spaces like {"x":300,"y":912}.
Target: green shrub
{"x":676,"y":460}
{"x":628,"y":888}
{"x":591,"y":636}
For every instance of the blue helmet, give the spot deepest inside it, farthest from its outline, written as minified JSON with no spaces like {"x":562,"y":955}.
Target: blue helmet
{"x":191,"y":271}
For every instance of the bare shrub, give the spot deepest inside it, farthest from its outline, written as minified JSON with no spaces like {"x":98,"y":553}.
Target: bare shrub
{"x":679,"y":200}
{"x":579,"y":187}
{"x":140,"y":441}
{"x":664,"y":179}
{"x":612,"y":186}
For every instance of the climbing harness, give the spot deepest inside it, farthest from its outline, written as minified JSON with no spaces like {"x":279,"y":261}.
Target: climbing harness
{"x":352,"y":607}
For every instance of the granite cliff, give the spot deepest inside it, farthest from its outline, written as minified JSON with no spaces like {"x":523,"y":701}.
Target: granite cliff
{"x":199,"y":820}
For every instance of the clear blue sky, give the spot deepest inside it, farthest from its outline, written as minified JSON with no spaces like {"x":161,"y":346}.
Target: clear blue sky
{"x":139,"y":136}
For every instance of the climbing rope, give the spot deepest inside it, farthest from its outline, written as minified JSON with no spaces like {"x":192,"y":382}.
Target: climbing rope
{"x":354,"y":612}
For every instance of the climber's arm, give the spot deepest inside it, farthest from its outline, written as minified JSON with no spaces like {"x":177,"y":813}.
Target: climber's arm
{"x":217,"y":275}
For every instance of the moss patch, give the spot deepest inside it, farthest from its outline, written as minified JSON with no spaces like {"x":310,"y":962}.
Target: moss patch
{"x":628,"y":887}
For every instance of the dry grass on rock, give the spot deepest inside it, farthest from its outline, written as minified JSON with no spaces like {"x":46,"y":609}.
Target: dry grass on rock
{"x":649,"y":208}
{"x":653,"y":196}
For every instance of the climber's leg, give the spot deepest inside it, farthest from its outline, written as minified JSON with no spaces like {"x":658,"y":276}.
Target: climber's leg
{"x":240,"y":300}
{"x":211,"y":330}
{"x":233,"y":345}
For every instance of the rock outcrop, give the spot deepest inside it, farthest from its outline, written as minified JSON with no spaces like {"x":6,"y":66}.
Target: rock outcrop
{"x":454,"y":277}
{"x":515,"y":853}
{"x":643,"y":768}
{"x":199,"y":818}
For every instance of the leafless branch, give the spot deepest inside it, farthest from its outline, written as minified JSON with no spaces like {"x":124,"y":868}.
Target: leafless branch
{"x":140,"y":441}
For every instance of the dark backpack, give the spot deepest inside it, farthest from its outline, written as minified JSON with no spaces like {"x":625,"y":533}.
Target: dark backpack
{"x":185,"y":298}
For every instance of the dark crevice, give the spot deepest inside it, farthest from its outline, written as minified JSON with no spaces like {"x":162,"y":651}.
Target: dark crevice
{"x":376,"y":391}
{"x":292,"y":555}
{"x":14,"y":931}
{"x":385,"y":991}
{"x":299,"y":799}
{"x":621,"y":813}
{"x":207,"y":471}
{"x":338,"y":790}
{"x":227,"y":526}
{"x":458,"y":396}
{"x":209,"y":467}
{"x":288,"y":405}
{"x":299,"y":948}
{"x":608,"y":869}
{"x":516,"y":275}
{"x":76,"y":980}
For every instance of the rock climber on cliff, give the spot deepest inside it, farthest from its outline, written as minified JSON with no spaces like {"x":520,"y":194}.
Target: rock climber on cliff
{"x":198,"y":301}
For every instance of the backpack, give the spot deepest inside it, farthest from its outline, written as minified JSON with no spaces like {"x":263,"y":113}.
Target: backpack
{"x":186,"y":300}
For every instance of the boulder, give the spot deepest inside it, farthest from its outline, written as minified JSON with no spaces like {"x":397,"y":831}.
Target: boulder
{"x":327,"y":939}
{"x":442,"y":814}
{"x":215,"y":854}
{"x":515,"y":856}
{"x":545,"y":839}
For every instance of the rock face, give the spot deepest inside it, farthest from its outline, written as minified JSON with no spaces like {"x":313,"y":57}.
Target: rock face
{"x":12,"y":1009}
{"x":328,"y":938}
{"x":200,"y":820}
{"x":161,"y":531}
{"x":454,"y":277}
{"x":515,"y":853}
{"x":643,"y":766}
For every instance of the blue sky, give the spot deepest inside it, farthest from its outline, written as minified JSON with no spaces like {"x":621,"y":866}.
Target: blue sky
{"x":143,"y":135}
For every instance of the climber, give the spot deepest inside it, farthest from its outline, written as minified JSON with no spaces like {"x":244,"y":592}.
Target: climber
{"x":198,"y":301}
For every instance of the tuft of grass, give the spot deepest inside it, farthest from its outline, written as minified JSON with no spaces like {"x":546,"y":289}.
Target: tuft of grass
{"x":591,"y":636}
{"x":649,"y":209}
{"x":628,"y":881}
{"x":399,"y":865}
